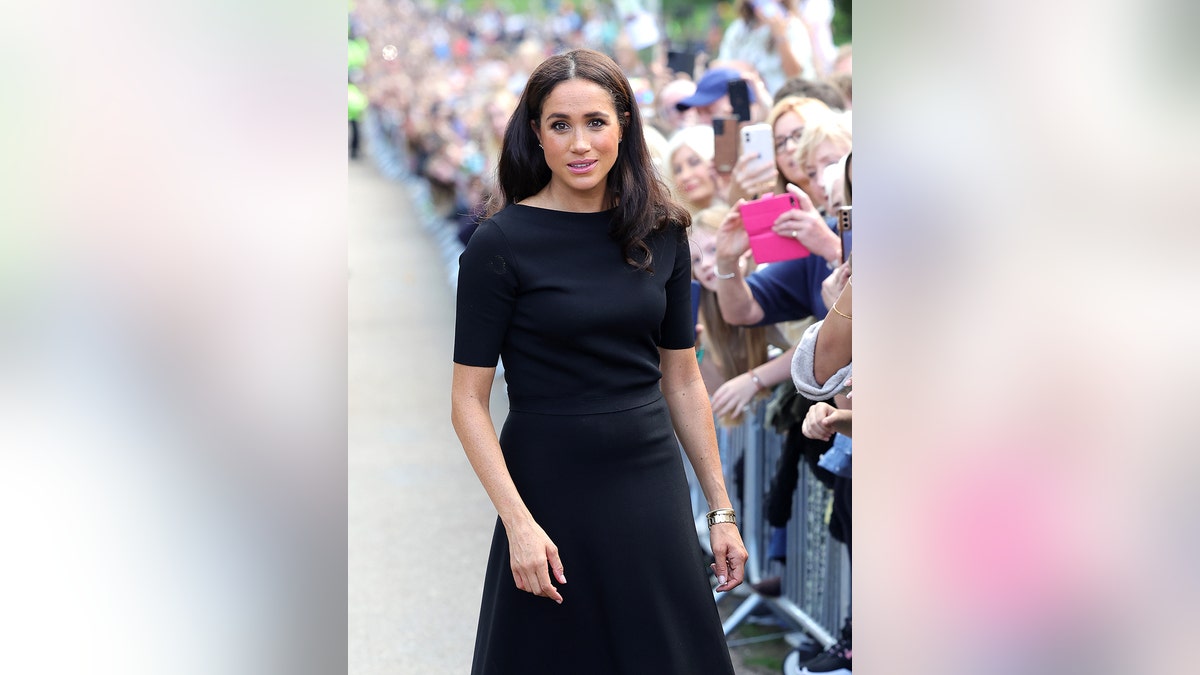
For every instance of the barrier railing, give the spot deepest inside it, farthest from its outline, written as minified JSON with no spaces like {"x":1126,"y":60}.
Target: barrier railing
{"x":816,"y":576}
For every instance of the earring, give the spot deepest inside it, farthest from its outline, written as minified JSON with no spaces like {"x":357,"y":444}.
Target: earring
{"x":540,"y":146}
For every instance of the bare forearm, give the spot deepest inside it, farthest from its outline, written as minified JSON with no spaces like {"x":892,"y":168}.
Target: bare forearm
{"x":691,"y":416}
{"x":778,"y":369}
{"x":835,"y":345}
{"x":473,"y":424}
{"x":738,"y":306}
{"x":787,"y":59}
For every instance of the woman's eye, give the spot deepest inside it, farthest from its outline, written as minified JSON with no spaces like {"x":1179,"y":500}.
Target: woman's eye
{"x":558,"y":126}
{"x":596,"y":123}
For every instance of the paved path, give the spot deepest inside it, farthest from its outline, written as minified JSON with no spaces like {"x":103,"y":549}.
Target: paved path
{"x":419,"y":522}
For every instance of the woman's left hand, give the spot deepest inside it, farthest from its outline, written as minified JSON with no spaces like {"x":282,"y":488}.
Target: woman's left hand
{"x":730,"y":398}
{"x":730,"y":555}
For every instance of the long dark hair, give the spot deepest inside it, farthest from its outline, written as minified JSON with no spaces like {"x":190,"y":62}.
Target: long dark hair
{"x":643,"y":203}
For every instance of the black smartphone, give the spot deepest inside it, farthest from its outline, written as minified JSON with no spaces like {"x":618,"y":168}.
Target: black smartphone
{"x":739,"y":98}
{"x":682,"y":62}
{"x":844,"y":226}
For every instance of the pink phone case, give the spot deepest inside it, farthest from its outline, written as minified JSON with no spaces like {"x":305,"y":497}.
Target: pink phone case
{"x":759,"y":216}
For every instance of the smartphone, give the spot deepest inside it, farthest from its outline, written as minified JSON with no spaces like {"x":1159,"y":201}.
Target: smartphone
{"x":739,"y":98}
{"x":768,"y":8}
{"x":682,"y":62}
{"x":759,"y":139}
{"x":844,"y":231}
{"x":725,"y":143}
{"x":759,"y":217}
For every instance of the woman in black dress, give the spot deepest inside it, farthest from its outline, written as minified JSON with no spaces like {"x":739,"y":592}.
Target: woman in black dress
{"x":580,"y":281}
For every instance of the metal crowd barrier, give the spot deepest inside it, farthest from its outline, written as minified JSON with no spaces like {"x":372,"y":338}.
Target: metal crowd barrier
{"x":816,"y":576}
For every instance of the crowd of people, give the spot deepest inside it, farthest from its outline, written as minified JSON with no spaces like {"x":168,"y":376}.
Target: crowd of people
{"x":443,"y":84}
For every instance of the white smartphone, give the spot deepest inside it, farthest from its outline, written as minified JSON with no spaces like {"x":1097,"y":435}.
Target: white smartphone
{"x":768,"y":8}
{"x":759,"y":139}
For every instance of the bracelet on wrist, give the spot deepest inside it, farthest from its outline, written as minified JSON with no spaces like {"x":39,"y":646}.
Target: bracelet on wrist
{"x":721,"y":516}
{"x":725,"y":276}
{"x":758,"y":384}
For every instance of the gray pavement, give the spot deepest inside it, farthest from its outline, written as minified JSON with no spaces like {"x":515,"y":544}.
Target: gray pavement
{"x":419,"y":522}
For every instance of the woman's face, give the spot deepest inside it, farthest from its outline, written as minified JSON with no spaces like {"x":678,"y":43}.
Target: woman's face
{"x":826,"y":154}
{"x":788,"y":128}
{"x":580,"y":135}
{"x":693,"y":177}
{"x":704,"y":258}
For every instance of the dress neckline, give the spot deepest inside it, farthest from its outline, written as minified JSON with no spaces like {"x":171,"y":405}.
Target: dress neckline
{"x":574,"y":213}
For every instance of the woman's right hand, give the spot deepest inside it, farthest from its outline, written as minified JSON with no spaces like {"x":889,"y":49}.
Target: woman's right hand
{"x":753,"y":175}
{"x":732,"y":240}
{"x":532,"y":556}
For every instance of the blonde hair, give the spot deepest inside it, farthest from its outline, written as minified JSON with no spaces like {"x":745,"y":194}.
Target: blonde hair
{"x":701,"y":140}
{"x":804,"y":107}
{"x":807,"y":109}
{"x":833,"y":129}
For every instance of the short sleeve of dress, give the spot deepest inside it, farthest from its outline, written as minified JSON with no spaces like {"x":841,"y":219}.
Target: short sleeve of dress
{"x":678,"y":331}
{"x":487,"y":291}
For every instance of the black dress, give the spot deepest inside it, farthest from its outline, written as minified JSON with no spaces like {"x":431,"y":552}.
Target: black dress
{"x":590,"y":446}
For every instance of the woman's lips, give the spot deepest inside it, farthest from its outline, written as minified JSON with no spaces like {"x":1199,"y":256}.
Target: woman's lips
{"x":582,"y":166}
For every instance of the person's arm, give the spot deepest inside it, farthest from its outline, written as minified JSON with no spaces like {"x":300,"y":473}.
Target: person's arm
{"x":731,"y":397}
{"x":824,"y":420}
{"x":780,"y":26}
{"x":738,"y":306}
{"x":531,"y":551}
{"x":691,"y":416}
{"x":835,"y":344}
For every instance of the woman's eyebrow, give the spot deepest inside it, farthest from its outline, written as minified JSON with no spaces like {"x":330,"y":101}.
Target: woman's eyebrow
{"x":565,"y":116}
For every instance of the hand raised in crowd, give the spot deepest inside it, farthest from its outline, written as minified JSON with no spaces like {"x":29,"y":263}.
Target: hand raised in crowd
{"x":754,"y":175}
{"x":531,"y":556}
{"x":732,"y":240}
{"x":835,"y":283}
{"x":806,"y":225}
{"x":777,"y":22}
{"x":733,"y":396}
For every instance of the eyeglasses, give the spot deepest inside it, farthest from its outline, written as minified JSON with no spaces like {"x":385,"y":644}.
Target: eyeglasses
{"x":794,"y":137}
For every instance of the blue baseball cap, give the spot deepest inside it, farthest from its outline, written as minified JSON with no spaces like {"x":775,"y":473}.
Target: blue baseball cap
{"x":712,"y":86}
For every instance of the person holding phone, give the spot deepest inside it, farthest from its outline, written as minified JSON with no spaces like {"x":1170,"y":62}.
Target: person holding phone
{"x":711,"y":98}
{"x":580,"y":280}
{"x":753,"y":176}
{"x":771,"y":37}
